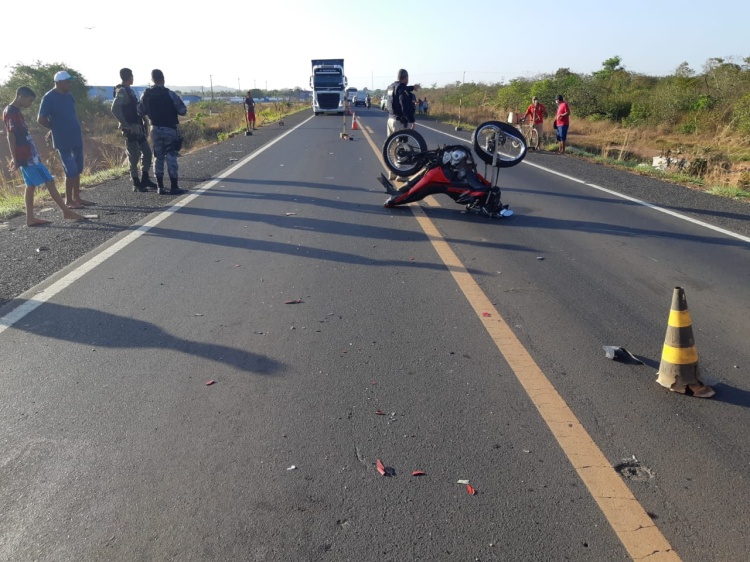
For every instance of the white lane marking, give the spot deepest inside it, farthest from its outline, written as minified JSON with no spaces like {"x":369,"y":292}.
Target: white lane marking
{"x":46,"y":294}
{"x":617,"y":194}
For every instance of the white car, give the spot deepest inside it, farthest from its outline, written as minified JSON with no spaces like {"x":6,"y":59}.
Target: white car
{"x":384,"y":99}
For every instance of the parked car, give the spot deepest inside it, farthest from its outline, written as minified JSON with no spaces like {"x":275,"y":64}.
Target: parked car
{"x":384,"y":99}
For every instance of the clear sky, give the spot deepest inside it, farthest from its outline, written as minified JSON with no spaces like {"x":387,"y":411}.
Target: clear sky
{"x":270,"y":43}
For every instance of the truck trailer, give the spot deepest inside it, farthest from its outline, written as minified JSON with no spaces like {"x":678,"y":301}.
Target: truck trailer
{"x":328,"y":85}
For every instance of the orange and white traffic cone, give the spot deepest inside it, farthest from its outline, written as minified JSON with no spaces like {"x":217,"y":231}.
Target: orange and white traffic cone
{"x":678,"y":370}
{"x":354,"y":122}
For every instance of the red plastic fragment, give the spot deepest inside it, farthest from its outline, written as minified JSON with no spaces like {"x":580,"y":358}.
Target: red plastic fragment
{"x":380,"y":467}
{"x":486,"y":314}
{"x":294,"y":301}
{"x":418,"y":473}
{"x":209,"y":383}
{"x":379,"y":413}
{"x":472,"y":491}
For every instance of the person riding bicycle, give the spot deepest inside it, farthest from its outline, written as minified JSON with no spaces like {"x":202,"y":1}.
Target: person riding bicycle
{"x":537,"y":112}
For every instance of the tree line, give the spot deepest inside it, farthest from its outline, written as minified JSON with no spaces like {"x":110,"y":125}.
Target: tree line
{"x":715,"y":100}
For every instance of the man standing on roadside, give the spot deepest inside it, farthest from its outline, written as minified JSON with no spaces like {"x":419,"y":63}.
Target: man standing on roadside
{"x":250,"y":110}
{"x":537,"y":112}
{"x":400,"y":106}
{"x":25,"y":157}
{"x":162,"y":106}
{"x":562,"y":121}
{"x":125,"y":110}
{"x":58,"y":113}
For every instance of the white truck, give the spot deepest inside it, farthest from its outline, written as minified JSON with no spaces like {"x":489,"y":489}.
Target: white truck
{"x":328,"y":85}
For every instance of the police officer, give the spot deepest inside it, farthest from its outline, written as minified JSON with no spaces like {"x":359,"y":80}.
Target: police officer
{"x":125,"y":110}
{"x":162,"y":106}
{"x":400,"y":106}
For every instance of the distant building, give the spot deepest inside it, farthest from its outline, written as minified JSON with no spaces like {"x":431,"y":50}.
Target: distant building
{"x":107,"y":93}
{"x":188,"y":99}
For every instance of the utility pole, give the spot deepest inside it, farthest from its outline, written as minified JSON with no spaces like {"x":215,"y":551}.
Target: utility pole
{"x":211,"y":79}
{"x":239,"y":89}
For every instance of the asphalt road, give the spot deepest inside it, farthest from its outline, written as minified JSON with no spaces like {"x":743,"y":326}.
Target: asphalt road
{"x":115,"y":448}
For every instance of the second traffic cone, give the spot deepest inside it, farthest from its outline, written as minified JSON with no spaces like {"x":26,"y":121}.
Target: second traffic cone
{"x":678,"y":370}
{"x":354,"y":122}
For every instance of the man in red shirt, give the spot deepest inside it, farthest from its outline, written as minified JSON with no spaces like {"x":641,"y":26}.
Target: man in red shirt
{"x":562,"y":121}
{"x":250,"y":110}
{"x":26,"y":158}
{"x":538,"y":112}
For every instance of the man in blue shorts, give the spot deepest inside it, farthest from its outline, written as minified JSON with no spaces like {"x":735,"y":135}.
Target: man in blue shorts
{"x":25,"y":157}
{"x":58,"y":113}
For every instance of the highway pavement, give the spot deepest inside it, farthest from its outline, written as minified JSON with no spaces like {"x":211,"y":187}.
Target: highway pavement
{"x":221,"y":381}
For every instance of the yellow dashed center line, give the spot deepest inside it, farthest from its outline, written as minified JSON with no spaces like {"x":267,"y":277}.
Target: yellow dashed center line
{"x":636,"y":530}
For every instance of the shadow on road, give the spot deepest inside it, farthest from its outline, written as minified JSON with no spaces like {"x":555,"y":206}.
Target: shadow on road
{"x":604,"y":228}
{"x":277,"y":183}
{"x":731,"y":395}
{"x":98,"y":329}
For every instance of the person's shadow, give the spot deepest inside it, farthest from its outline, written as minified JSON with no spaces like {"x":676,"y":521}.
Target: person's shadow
{"x":100,"y":329}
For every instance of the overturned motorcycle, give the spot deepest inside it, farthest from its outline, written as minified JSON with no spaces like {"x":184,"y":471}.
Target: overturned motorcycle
{"x":451,"y":169}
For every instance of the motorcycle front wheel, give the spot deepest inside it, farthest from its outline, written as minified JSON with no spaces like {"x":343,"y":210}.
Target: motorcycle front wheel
{"x":403,"y":152}
{"x":500,"y":144}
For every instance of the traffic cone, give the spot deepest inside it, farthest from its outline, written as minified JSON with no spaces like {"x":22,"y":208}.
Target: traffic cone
{"x":354,"y":122}
{"x":678,"y":370}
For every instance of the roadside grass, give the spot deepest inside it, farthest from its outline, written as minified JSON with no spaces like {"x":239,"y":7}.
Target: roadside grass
{"x":206,"y":124}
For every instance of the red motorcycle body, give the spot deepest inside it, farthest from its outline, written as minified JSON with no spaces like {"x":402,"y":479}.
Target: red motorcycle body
{"x":435,"y":181}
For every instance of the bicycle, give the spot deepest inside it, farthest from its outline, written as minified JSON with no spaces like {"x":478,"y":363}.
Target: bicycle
{"x":530,"y":134}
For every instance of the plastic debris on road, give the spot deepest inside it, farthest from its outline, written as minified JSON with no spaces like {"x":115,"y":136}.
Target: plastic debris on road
{"x":294,"y":301}
{"x":418,"y":473}
{"x":620,"y":354}
{"x":379,"y":413}
{"x":463,"y":482}
{"x":209,"y":383}
{"x":292,"y":468}
{"x":472,"y":491}
{"x":380,"y":467}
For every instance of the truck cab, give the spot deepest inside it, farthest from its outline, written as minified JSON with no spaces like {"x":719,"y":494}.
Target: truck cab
{"x":328,"y":85}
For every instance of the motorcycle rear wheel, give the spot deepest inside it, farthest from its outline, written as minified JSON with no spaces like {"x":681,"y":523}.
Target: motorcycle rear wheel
{"x":403,"y":152}
{"x":510,"y":149}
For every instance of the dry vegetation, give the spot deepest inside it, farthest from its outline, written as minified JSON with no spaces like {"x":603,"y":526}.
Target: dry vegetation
{"x":205,"y":123}
{"x":699,"y":121}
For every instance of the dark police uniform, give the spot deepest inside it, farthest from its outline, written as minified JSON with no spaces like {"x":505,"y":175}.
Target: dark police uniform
{"x":125,"y":110}
{"x":162,"y":106}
